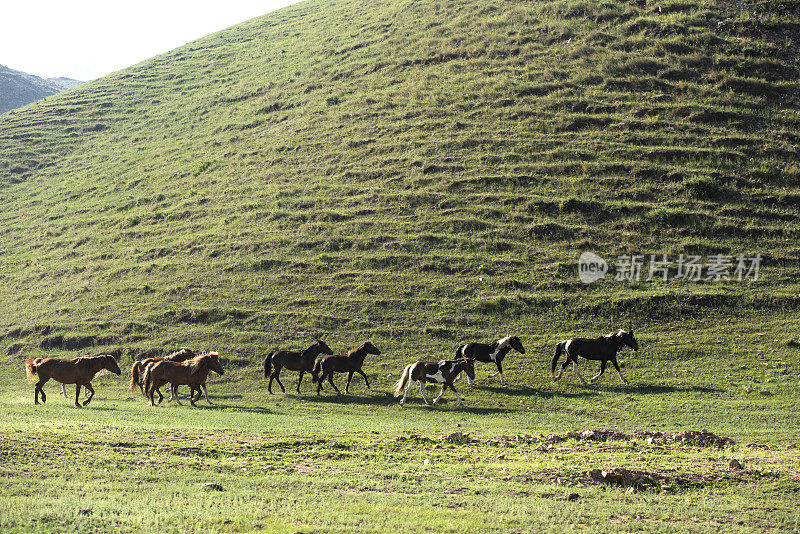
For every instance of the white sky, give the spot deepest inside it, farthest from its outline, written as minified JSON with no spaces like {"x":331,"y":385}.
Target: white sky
{"x":87,"y":39}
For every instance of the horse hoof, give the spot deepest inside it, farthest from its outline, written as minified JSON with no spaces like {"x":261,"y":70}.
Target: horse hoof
{"x":86,"y":403}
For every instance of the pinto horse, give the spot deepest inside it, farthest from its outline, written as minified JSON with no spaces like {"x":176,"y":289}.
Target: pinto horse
{"x":78,"y":371}
{"x":491,"y":352}
{"x":293,"y":360}
{"x":344,"y":363}
{"x":138,"y":368}
{"x":603,"y":348}
{"x":444,"y":372}
{"x":192,"y":373}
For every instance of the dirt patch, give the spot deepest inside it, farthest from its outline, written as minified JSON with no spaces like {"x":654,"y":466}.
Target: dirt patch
{"x":702,"y":438}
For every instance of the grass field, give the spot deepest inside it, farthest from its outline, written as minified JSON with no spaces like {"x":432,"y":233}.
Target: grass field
{"x":419,"y":174}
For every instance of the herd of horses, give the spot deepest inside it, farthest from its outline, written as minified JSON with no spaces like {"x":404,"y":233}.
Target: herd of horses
{"x":186,"y":368}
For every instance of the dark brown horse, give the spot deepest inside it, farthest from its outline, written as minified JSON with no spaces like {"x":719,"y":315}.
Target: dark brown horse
{"x":603,"y":348}
{"x":293,"y":360}
{"x":344,"y":363}
{"x":191,"y":373}
{"x":78,"y":371}
{"x":443,"y":372}
{"x":137,"y":370}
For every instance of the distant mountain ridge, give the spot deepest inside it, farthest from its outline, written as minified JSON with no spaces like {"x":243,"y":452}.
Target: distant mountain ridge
{"x":18,"y":88}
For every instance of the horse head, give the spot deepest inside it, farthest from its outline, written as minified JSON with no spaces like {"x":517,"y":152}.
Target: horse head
{"x":627,"y":338}
{"x":369,"y":348}
{"x":469,"y":368}
{"x":110,"y":363}
{"x":516,"y":344}
{"x":322,"y":347}
{"x":212,"y":360}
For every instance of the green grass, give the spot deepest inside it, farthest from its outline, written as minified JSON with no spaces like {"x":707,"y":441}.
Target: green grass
{"x":421,"y":175}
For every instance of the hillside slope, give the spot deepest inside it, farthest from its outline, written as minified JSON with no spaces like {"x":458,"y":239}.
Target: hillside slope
{"x":418,"y":173}
{"x":18,"y":88}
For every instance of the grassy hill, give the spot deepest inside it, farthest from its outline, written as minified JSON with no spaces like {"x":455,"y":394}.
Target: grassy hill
{"x":420,"y":174}
{"x":18,"y":88}
{"x":417,"y":173}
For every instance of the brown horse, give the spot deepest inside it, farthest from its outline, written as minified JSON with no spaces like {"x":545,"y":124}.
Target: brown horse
{"x":294,"y":361}
{"x":78,"y":371}
{"x":137,"y":370}
{"x":191,"y":373}
{"x":603,"y":348}
{"x":443,"y":372}
{"x":344,"y":363}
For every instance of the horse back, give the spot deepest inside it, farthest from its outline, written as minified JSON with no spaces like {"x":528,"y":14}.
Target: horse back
{"x":592,"y":348}
{"x":336,"y":362}
{"x":477,"y":351}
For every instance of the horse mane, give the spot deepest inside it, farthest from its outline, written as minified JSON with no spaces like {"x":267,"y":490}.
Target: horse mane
{"x":360,"y":348}
{"x":197,"y":363}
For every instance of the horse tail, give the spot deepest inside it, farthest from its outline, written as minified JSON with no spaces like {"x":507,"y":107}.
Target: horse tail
{"x":559,"y":350}
{"x":404,"y":378}
{"x":135,"y":379}
{"x":315,"y":371}
{"x":148,"y":379}
{"x":31,"y":367}
{"x":268,"y":365}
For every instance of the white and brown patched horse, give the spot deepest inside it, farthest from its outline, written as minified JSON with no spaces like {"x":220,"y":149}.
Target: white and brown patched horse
{"x":443,"y":372}
{"x":491,"y":352}
{"x":603,"y":348}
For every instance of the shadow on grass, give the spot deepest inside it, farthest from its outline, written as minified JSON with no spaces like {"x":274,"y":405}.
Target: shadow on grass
{"x":231,"y":408}
{"x":525,"y":391}
{"x":657,"y":389}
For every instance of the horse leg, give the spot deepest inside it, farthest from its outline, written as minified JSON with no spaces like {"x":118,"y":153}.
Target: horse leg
{"x":64,"y":391}
{"x":616,"y":366}
{"x":575,"y":367}
{"x":359,"y":371}
{"x":444,"y":387}
{"x":38,"y":389}
{"x":457,"y":397}
{"x":408,"y":387}
{"x":77,"y":394}
{"x":602,"y":370}
{"x":174,"y":391}
{"x":500,"y":372}
{"x":192,"y":396}
{"x":90,"y":389}
{"x":319,"y":382}
{"x":299,"y":380}
{"x":422,"y":390}
{"x":277,"y":375}
{"x":561,"y":370}
{"x":330,"y":379}
{"x":349,"y":378}
{"x":205,"y":393}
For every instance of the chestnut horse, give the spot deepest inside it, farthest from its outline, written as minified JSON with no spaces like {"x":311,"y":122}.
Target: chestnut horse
{"x":344,"y":363}
{"x":137,"y":370}
{"x":78,"y":371}
{"x":294,"y":361}
{"x":603,"y":348}
{"x":443,"y":372}
{"x":191,"y":373}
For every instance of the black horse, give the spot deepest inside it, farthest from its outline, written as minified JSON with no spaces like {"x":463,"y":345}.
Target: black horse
{"x":294,"y":361}
{"x":604,"y":348}
{"x":491,"y":352}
